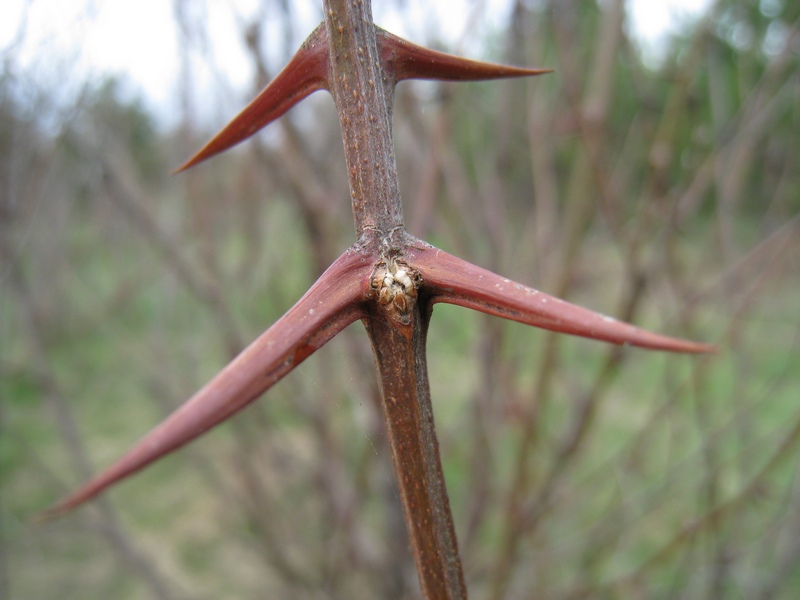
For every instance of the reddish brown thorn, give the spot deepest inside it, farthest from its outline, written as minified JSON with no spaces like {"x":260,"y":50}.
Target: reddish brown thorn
{"x":454,"y":281}
{"x":404,"y":60}
{"x":305,"y":74}
{"x":332,"y":303}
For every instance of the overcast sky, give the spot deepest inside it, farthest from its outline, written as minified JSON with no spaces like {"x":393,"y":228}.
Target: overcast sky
{"x":71,"y":39}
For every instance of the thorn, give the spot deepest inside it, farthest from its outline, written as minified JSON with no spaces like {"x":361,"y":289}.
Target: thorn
{"x":306,"y":73}
{"x":404,"y":60}
{"x":330,"y":305}
{"x":455,"y":281}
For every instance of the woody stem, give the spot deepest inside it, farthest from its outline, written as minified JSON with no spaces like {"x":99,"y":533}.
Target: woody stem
{"x":363,"y":97}
{"x":396,"y":323}
{"x":400,"y":356}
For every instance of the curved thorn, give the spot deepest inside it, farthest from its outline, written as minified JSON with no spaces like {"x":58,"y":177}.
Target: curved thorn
{"x":404,"y":60}
{"x":454,"y":281}
{"x":332,"y":303}
{"x":306,"y":73}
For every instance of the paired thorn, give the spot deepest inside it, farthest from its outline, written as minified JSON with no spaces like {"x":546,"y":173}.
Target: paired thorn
{"x":337,"y":299}
{"x":307,"y":72}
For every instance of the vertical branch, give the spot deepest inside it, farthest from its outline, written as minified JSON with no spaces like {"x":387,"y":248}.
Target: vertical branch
{"x":400,"y":357}
{"x":362,"y":94}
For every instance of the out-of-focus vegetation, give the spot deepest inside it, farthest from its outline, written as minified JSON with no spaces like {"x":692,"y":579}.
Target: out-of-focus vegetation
{"x":668,"y":196}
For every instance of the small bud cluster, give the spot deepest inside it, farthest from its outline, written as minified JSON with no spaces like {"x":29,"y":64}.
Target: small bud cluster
{"x":395,"y":283}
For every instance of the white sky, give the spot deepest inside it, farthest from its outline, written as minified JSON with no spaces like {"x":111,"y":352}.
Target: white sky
{"x":65,"y":40}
